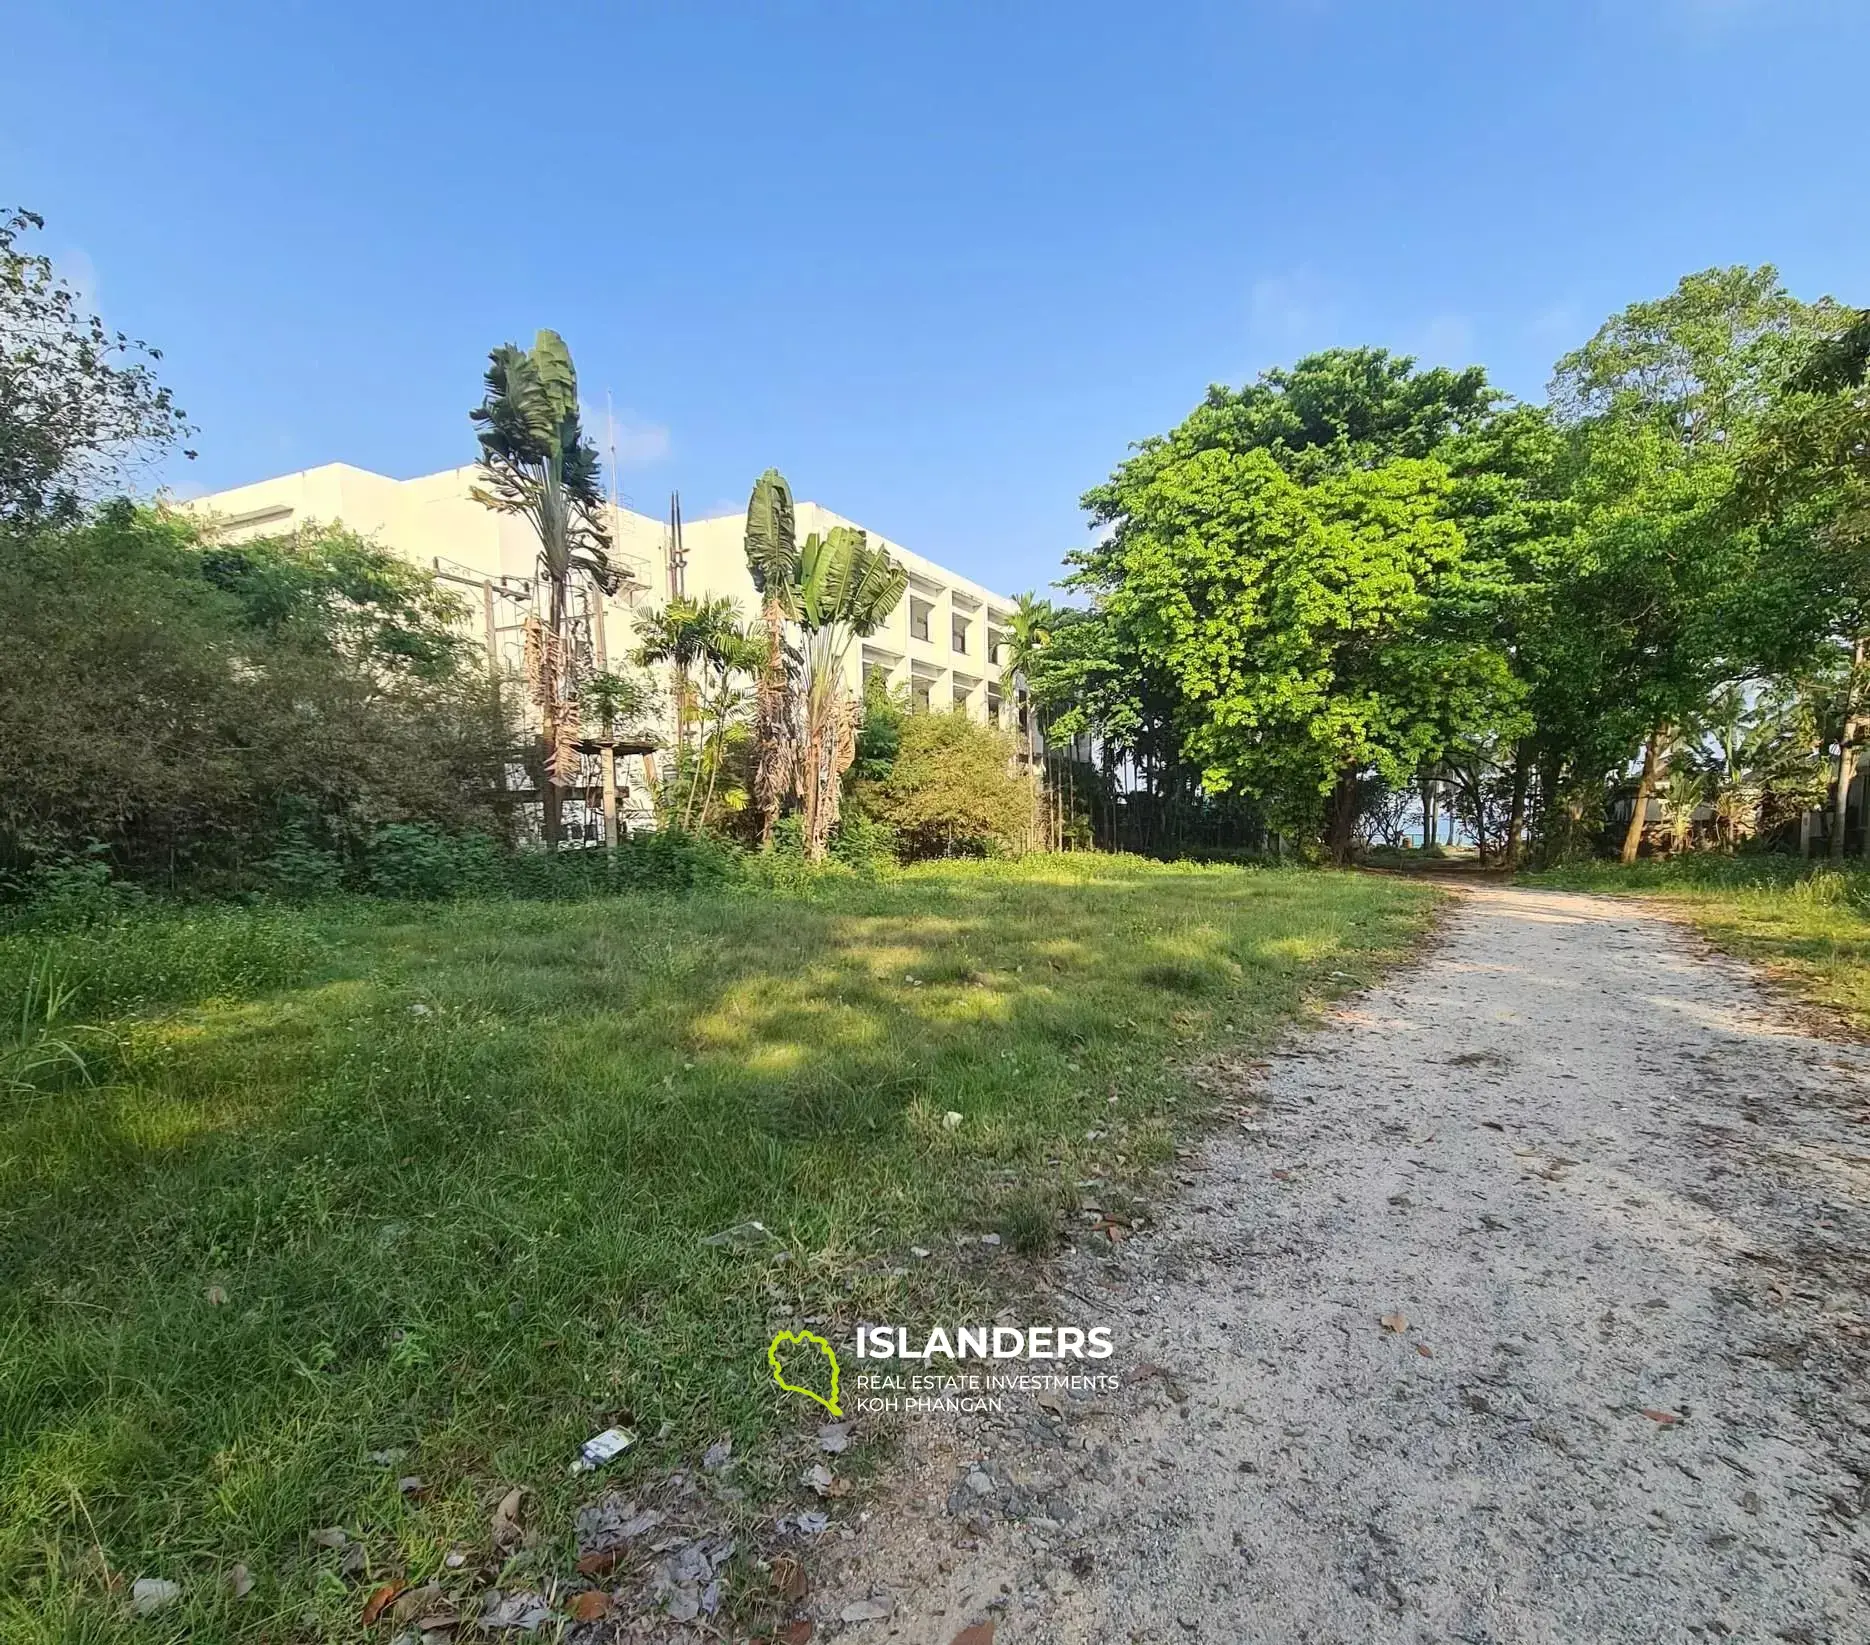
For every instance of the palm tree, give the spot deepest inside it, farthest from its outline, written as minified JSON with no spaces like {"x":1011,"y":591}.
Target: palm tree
{"x":846,"y":590}
{"x":1027,"y":634}
{"x":536,"y":462}
{"x":1682,"y":794}
{"x":690,"y":634}
{"x":772,"y":551}
{"x":735,"y":651}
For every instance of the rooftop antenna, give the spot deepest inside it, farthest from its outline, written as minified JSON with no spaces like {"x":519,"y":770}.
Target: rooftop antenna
{"x":610,"y":432}
{"x":678,"y":556}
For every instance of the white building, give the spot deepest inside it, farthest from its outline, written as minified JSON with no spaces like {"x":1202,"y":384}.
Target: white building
{"x":941,"y":644}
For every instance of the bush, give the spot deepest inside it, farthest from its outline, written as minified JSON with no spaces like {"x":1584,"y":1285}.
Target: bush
{"x":865,"y":843}
{"x":300,"y":870}
{"x":413,"y":862}
{"x":177,"y":703}
{"x":952,"y":790}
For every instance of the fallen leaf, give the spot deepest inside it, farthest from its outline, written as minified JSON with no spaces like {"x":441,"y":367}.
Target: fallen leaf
{"x":796,"y":1633}
{"x":506,"y":1527}
{"x":380,"y":1600}
{"x":240,"y":1582}
{"x":590,"y":1605}
{"x":1666,"y":1418}
{"x":331,"y":1536}
{"x":217,"y":1298}
{"x":413,"y":1485}
{"x":864,"y":1610}
{"x":980,"y":1634}
{"x":789,"y":1577}
{"x":419,"y":1602}
{"x":1394,"y":1322}
{"x":597,"y":1564}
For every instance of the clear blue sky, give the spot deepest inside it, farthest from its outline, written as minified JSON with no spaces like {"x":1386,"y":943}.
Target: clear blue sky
{"x":939,"y":261}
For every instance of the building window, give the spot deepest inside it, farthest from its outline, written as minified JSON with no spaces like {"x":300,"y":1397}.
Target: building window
{"x":919,"y":611}
{"x":919,"y":696}
{"x":960,"y":696}
{"x":959,"y":637}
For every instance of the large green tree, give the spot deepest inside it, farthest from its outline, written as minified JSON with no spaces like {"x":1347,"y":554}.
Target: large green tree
{"x":1286,"y":569}
{"x":1673,"y":592}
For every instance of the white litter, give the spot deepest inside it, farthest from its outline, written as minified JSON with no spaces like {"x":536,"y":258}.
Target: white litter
{"x":602,"y":1448}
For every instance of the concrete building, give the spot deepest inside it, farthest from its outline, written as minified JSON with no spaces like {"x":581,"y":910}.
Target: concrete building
{"x":941,"y":644}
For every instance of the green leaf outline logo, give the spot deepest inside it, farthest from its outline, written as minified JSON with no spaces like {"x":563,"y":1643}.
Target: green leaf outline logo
{"x":825,"y":1348}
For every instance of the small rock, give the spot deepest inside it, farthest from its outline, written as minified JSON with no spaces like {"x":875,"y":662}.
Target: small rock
{"x":331,"y":1536}
{"x":951,"y":1121}
{"x":240,"y":1582}
{"x":919,"y":1252}
{"x":979,"y":1483}
{"x":864,"y":1610}
{"x":834,"y":1437}
{"x":718,"y":1455}
{"x":990,"y":1239}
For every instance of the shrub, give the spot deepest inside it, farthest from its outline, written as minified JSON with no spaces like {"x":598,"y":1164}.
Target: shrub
{"x":867,"y":844}
{"x":952,"y":790}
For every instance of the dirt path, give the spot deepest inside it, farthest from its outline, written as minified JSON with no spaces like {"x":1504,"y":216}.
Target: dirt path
{"x":1620,"y":1201}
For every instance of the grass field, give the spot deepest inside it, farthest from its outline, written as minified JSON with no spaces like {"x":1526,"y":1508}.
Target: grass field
{"x":434,"y":1180}
{"x":1808,"y":925}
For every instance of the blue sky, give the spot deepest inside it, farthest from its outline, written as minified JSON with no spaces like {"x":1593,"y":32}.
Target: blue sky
{"x":940,"y":262}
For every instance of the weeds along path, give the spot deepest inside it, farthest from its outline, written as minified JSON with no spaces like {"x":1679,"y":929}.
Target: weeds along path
{"x":1527,"y":1304}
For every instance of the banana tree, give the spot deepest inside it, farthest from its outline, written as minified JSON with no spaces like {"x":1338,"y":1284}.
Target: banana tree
{"x":846,"y":590}
{"x":772,"y":551}
{"x":536,"y":462}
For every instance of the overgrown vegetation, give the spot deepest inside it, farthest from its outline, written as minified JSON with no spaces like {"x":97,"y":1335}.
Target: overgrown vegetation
{"x":433,"y":1183}
{"x":186,"y":711}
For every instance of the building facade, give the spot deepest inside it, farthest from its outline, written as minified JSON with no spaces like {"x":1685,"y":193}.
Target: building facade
{"x":942,"y":644}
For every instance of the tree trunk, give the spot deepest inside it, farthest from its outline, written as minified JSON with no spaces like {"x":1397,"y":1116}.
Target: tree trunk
{"x":1645,"y":786}
{"x":1343,"y":815}
{"x":1847,"y":757}
{"x":1429,"y":827}
{"x":1516,"y":813}
{"x":774,"y":759}
{"x":1846,"y":772}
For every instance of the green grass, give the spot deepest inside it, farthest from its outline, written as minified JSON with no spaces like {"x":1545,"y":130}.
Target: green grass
{"x":435,"y":1179}
{"x":1807,"y":924}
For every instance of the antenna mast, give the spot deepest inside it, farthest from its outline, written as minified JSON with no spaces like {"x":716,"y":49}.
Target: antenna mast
{"x":678,"y":556}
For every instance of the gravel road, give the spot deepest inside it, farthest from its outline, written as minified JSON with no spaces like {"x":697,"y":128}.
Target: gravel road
{"x":1524,"y":1301}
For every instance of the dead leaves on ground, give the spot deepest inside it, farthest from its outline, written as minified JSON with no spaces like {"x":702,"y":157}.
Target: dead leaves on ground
{"x":380,"y":1600}
{"x":789,"y":1578}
